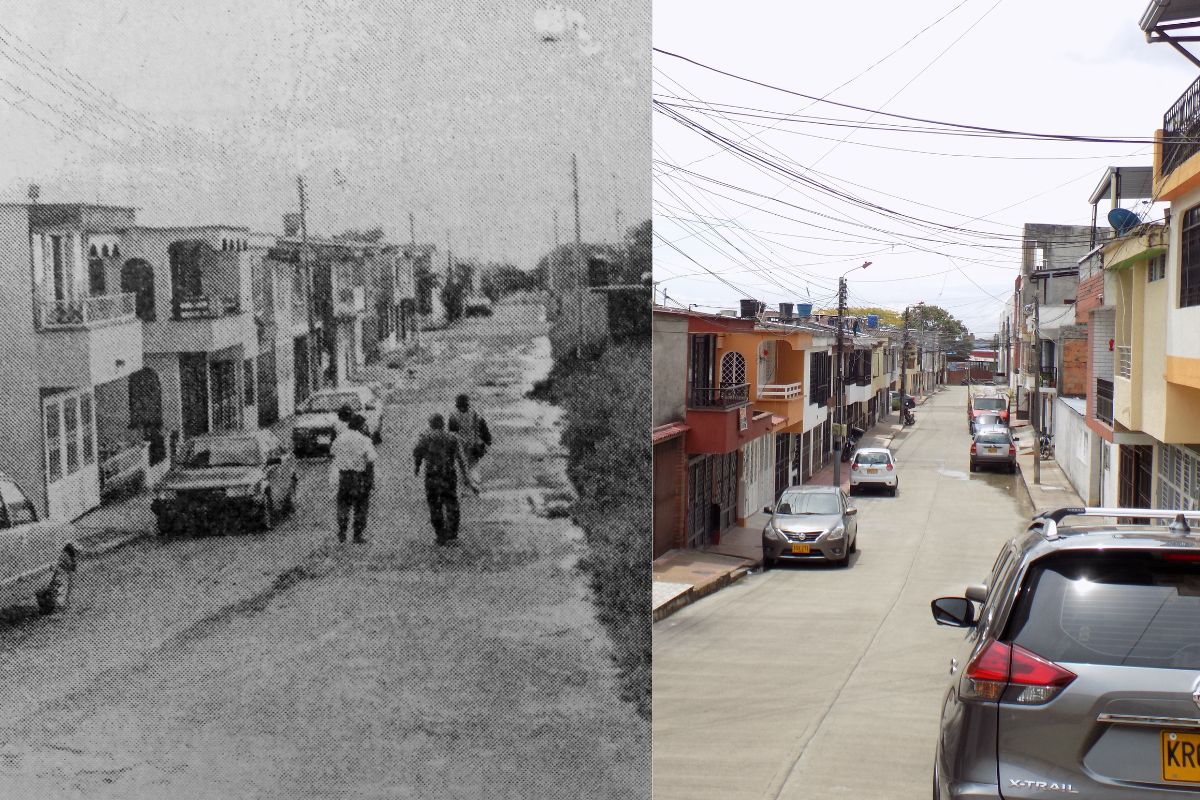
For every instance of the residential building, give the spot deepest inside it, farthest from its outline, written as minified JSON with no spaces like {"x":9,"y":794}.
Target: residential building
{"x":669,"y":361}
{"x":72,"y":342}
{"x":577,"y":314}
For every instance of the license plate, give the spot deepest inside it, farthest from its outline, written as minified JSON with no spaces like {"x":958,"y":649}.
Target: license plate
{"x":799,"y":549}
{"x":872,"y":472}
{"x":1181,"y":756}
{"x":324,"y":439}
{"x":991,"y":449}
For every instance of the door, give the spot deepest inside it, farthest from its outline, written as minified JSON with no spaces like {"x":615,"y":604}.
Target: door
{"x":193,"y":381}
{"x":725,"y":490}
{"x":783,"y":462}
{"x":137,"y":276}
{"x":58,"y":265}
{"x":1136,"y":476}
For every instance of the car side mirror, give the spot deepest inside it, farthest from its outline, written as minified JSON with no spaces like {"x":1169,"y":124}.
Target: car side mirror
{"x":977,"y":592}
{"x":957,"y":612}
{"x":851,"y":511}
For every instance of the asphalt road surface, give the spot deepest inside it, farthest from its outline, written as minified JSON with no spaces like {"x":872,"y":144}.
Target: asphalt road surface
{"x":282,"y":665}
{"x":819,"y":682}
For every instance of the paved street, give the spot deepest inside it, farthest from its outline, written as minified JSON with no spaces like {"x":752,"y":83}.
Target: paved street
{"x":818,"y":682}
{"x":280,"y":665}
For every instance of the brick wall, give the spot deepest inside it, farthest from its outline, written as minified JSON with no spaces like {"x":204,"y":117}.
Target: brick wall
{"x":1074,"y":376}
{"x":1089,"y":295}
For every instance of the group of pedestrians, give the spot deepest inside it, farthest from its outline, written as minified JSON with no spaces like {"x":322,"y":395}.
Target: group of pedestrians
{"x":445,"y":454}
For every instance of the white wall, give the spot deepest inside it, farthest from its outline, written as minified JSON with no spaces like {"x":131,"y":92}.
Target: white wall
{"x":1076,"y":449}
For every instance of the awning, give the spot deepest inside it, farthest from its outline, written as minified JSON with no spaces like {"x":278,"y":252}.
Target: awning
{"x":669,"y":431}
{"x":1132,"y":183}
{"x":1166,"y":12}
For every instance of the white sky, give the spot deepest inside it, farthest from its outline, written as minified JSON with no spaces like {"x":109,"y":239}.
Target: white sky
{"x":1071,"y":66}
{"x":457,"y":112}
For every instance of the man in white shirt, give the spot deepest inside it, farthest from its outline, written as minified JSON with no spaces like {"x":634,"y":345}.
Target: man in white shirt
{"x":352,"y":457}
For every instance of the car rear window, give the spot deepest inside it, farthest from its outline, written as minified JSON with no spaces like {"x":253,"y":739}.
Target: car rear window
{"x":994,"y":403}
{"x":991,"y":438}
{"x":871,"y":458}
{"x":1112,"y":608}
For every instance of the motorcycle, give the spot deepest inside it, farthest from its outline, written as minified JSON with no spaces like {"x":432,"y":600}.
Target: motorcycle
{"x":1046,"y":447}
{"x":851,"y":443}
{"x":907,"y":417}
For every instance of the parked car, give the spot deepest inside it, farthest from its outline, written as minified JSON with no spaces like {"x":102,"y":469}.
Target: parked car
{"x":810,"y":523}
{"x":994,"y":447}
{"x":40,"y":556}
{"x":224,"y":481}
{"x":874,"y":467}
{"x":992,"y":403}
{"x":315,"y":425}
{"x":986,"y":422}
{"x":895,"y":401}
{"x":477,"y":306}
{"x":1078,"y":672}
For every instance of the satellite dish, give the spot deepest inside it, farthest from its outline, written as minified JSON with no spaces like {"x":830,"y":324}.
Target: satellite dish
{"x":1123,"y":220}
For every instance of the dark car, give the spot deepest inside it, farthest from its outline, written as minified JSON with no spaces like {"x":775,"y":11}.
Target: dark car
{"x":316,"y":422}
{"x":1077,"y":676}
{"x":227,"y":481}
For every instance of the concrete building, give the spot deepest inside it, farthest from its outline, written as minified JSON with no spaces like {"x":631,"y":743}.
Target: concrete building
{"x":669,"y":359}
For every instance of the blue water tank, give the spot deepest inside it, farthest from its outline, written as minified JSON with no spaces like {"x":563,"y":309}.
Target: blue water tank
{"x":872,"y":320}
{"x":804,"y":309}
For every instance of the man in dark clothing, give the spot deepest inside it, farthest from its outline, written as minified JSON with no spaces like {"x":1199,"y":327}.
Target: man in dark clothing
{"x":443,"y":459}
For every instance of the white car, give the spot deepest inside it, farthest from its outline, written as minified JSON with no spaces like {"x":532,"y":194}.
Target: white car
{"x":874,"y":466}
{"x":316,"y":417}
{"x":39,"y":556}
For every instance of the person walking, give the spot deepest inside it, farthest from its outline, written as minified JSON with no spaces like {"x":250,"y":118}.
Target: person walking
{"x":442,"y":456}
{"x":351,"y":470}
{"x":472,"y":432}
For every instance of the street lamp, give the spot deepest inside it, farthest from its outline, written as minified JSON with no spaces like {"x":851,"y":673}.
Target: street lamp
{"x":839,"y":383}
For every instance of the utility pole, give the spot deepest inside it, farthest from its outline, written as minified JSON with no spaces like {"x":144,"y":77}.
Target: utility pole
{"x":306,"y":270}
{"x":839,"y":384}
{"x":412,"y":260}
{"x":580,"y":267}
{"x":1035,"y":411}
{"x":904,"y":369}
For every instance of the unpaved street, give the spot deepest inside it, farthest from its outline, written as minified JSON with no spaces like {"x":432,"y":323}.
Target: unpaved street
{"x":812,"y":681}
{"x":283,"y":665}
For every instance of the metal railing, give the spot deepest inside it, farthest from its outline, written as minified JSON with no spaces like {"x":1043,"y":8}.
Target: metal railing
{"x":781,"y":391}
{"x":1124,"y":361}
{"x":859,"y":380}
{"x":1104,"y":400}
{"x":1181,"y":124}
{"x":86,"y":312}
{"x":719,"y":396}
{"x":206,"y":307}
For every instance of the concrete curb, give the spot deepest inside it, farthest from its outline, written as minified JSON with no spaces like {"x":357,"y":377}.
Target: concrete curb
{"x":696,"y":592}
{"x":98,"y":544}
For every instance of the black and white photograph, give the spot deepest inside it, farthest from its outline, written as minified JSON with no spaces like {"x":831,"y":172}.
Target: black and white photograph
{"x":324,"y":400}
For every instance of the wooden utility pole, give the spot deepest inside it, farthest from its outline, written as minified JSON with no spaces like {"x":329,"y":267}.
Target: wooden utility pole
{"x":307,"y":272}
{"x":412,"y":260}
{"x":839,"y":385}
{"x":1035,"y":410}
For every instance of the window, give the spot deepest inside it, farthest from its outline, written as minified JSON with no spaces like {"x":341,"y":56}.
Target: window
{"x":1156,"y":268}
{"x":71,"y":433}
{"x":248,"y":380}
{"x":1189,"y":259}
{"x":95,"y":276}
{"x":85,"y":425}
{"x":53,"y":442}
{"x":1178,"y":477}
{"x":733,"y":369}
{"x":818,"y":377}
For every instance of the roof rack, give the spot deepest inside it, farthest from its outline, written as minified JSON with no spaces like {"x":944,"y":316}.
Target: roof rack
{"x":1178,"y":517}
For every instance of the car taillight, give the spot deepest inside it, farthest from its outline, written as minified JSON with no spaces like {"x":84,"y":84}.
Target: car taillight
{"x":1013,"y":674}
{"x":889,"y":466}
{"x":972,"y":448}
{"x":1012,"y":449}
{"x":854,"y":466}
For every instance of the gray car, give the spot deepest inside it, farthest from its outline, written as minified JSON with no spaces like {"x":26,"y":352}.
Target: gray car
{"x":810,"y":523}
{"x":994,"y":447}
{"x":1080,"y":670}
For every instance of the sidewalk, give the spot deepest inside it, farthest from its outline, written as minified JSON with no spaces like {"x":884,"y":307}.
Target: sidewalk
{"x":683,"y":576}
{"x":1054,"y":491}
{"x":116,"y":524}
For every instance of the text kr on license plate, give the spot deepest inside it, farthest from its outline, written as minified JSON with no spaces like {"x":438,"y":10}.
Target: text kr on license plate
{"x":799,"y":549}
{"x":1181,"y":756}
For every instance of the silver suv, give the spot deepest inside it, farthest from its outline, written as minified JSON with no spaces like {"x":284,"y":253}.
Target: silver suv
{"x":1080,"y":673}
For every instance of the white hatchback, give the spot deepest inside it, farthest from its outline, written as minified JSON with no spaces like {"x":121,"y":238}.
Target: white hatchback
{"x":874,"y":466}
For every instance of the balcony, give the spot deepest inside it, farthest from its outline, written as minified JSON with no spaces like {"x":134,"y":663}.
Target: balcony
{"x":1125,"y":361}
{"x":858,"y":380}
{"x":781,"y":391}
{"x":88,"y":341}
{"x":206,"y":307}
{"x":87,"y":312}
{"x":719,"y":398}
{"x":202,"y":324}
{"x":1181,"y":126}
{"x":350,"y":301}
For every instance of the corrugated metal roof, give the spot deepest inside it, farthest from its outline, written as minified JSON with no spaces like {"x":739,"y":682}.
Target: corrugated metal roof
{"x":1136,"y":183}
{"x":1160,"y":11}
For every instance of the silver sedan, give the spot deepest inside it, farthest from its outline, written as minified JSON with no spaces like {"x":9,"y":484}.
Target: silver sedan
{"x":810,"y":523}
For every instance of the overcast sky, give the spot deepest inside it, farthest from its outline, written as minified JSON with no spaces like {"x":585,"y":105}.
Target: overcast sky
{"x":1062,"y":67}
{"x":457,"y":112}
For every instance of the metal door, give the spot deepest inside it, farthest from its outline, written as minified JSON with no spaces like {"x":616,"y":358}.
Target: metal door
{"x":783,"y":452}
{"x":725,"y":489}
{"x":699,"y":492}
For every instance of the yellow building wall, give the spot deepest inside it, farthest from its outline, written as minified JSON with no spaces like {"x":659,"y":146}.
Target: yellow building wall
{"x":1153,"y":356}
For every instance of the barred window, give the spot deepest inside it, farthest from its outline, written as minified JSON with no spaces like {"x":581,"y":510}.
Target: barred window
{"x":1178,"y":478}
{"x":1156,"y":269}
{"x":1189,"y":259}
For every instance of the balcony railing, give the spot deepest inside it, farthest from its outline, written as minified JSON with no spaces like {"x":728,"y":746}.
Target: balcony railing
{"x":781,"y":391}
{"x":720,"y":396}
{"x":1104,"y":400}
{"x":1181,"y":124}
{"x":1124,"y":361}
{"x":206,"y":307}
{"x":87,"y":312}
{"x":858,"y":380}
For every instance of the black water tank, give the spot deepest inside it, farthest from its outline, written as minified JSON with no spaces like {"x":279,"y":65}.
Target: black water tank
{"x":749,"y":308}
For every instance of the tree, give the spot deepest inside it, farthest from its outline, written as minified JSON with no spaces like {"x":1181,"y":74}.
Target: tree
{"x":956,"y":339}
